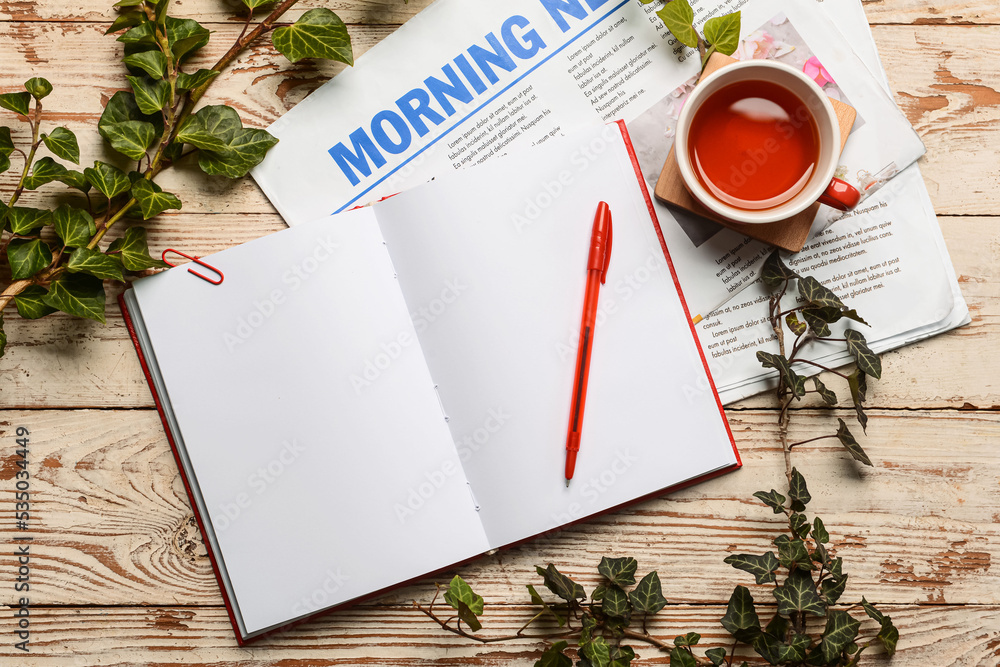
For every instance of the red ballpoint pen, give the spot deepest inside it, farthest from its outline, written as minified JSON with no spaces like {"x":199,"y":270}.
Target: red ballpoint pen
{"x":597,"y":273}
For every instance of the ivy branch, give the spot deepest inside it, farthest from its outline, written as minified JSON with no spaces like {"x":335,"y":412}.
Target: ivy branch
{"x":55,"y":255}
{"x":721,"y":33}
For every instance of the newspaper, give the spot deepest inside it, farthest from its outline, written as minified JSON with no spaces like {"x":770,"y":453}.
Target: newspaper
{"x":468,"y":80}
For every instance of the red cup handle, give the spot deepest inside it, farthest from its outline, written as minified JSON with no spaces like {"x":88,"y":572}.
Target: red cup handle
{"x":841,"y":195}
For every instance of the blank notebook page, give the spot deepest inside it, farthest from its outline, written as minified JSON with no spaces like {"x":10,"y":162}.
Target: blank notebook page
{"x":310,"y":420}
{"x":494,"y":266}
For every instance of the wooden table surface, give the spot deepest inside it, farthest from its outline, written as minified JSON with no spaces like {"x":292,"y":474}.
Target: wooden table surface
{"x":119,"y":573}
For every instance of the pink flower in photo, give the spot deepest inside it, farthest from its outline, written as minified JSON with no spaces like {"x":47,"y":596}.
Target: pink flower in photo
{"x":814,"y":70}
{"x":759,"y":45}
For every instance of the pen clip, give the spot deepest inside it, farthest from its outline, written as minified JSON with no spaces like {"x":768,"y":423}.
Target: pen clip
{"x":196,"y":261}
{"x":607,"y":250}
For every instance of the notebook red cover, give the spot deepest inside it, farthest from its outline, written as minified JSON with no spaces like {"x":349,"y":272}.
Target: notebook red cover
{"x":242,"y":641}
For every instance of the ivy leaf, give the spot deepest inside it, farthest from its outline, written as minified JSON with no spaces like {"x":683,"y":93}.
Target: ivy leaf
{"x":798,"y":492}
{"x":153,"y":63}
{"x":63,"y":143}
{"x":553,"y":656}
{"x":467,"y":603}
{"x":560,"y":584}
{"x":3,"y":338}
{"x":30,"y":304}
{"x":741,"y":619}
{"x":38,"y":87}
{"x":73,"y":225}
{"x":867,"y":361}
{"x":690,"y":639}
{"x":840,"y":631}
{"x":819,"y":532}
{"x":792,"y":379}
{"x":245,"y":152}
{"x":622,"y":656}
{"x":192,"y":81}
{"x":319,"y":33}
{"x":761,"y":567}
{"x":597,"y":652}
{"x":25,"y":220}
{"x":4,"y":166}
{"x":776,"y":652}
{"x":616,"y":602}
{"x":833,"y":588}
{"x":6,"y":143}
{"x":828,"y":396}
{"x":185,"y":36}
{"x":647,"y":597}
{"x":95,"y":263}
{"x":254,"y":4}
{"x":723,"y":32}
{"x":859,"y":390}
{"x":619,"y":571}
{"x":27,"y":257}
{"x":680,"y":657}
{"x":846,"y":439}
{"x":678,"y":16}
{"x":152,"y":199}
{"x":799,"y":525}
{"x":79,"y":295}
{"x":142,"y":34}
{"x":772,"y":499}
{"x":109,"y":180}
{"x":819,"y":295}
{"x":121,"y":108}
{"x":716,"y":655}
{"x":872,"y":612}
{"x":815,"y":318}
{"x":797,"y":326}
{"x":16,"y":102}
{"x":151,"y":96}
{"x":75,"y":179}
{"x":44,"y":171}
{"x":537,"y":599}
{"x":792,"y":553}
{"x":132,"y":138}
{"x":125,"y":20}
{"x":798,"y":594}
{"x":134,"y":251}
{"x":889,"y":636}
{"x":211,"y":128}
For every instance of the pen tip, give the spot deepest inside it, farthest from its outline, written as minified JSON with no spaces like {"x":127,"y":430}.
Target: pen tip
{"x":567,"y":483}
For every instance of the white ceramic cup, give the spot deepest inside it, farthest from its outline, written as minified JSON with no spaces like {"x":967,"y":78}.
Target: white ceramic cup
{"x":821,"y":186}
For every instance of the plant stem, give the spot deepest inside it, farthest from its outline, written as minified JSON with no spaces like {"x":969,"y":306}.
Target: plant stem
{"x":36,"y":126}
{"x":820,"y":366}
{"x":802,"y":442}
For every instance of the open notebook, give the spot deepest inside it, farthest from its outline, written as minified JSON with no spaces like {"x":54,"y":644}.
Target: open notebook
{"x":379,"y":395}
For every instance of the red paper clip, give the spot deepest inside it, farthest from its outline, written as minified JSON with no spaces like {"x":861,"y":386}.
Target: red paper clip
{"x":196,"y":261}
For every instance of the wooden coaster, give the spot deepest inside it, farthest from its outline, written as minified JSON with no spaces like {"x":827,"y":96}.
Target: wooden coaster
{"x":790,"y":234}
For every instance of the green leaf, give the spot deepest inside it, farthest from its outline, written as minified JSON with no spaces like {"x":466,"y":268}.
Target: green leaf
{"x":798,"y":594}
{"x":16,"y":102}
{"x":152,"y":199}
{"x":109,"y":180}
{"x":121,"y":108}
{"x":211,"y":128}
{"x":616,"y":602}
{"x":792,"y":553}
{"x":619,"y":571}
{"x":30,"y":303}
{"x":872,"y":612}
{"x":554,"y":656}
{"x":143,"y":34}
{"x":690,"y":639}
{"x":799,"y":525}
{"x":537,"y":599}
{"x":127,"y":3}
{"x":63,"y":143}
{"x":678,"y":16}
{"x":772,"y":499}
{"x":833,"y":588}
{"x":3,"y":338}
{"x":25,"y":220}
{"x":815,"y":318}
{"x":134,"y":251}
{"x":835,"y":566}
{"x":796,"y":326}
{"x":185,"y":36}
{"x":73,"y":225}
{"x":560,"y":584}
{"x":44,"y":171}
{"x":38,"y":87}
{"x":95,"y":263}
{"x":622,"y":656}
{"x":254,"y":4}
{"x":680,"y":657}
{"x":867,"y":361}
{"x":889,"y":636}
{"x":846,"y":439}
{"x":245,"y":152}
{"x":27,"y":257}
{"x":798,"y":491}
{"x":817,"y":294}
{"x":841,"y":629}
{"x":828,"y":396}
{"x":859,"y":391}
{"x":192,"y":81}
{"x":4,"y":166}
{"x":792,"y":380}
{"x":153,"y":63}
{"x":132,"y":138}
{"x":647,"y":597}
{"x":468,"y":604}
{"x":75,"y":179}
{"x":6,"y":142}
{"x":79,"y":295}
{"x":761,"y":567}
{"x":125,"y":20}
{"x":819,"y":532}
{"x":776,"y":652}
{"x":151,"y":96}
{"x":597,"y":651}
{"x":716,"y":655}
{"x":723,"y":32}
{"x":319,"y":33}
{"x":741,"y":619}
